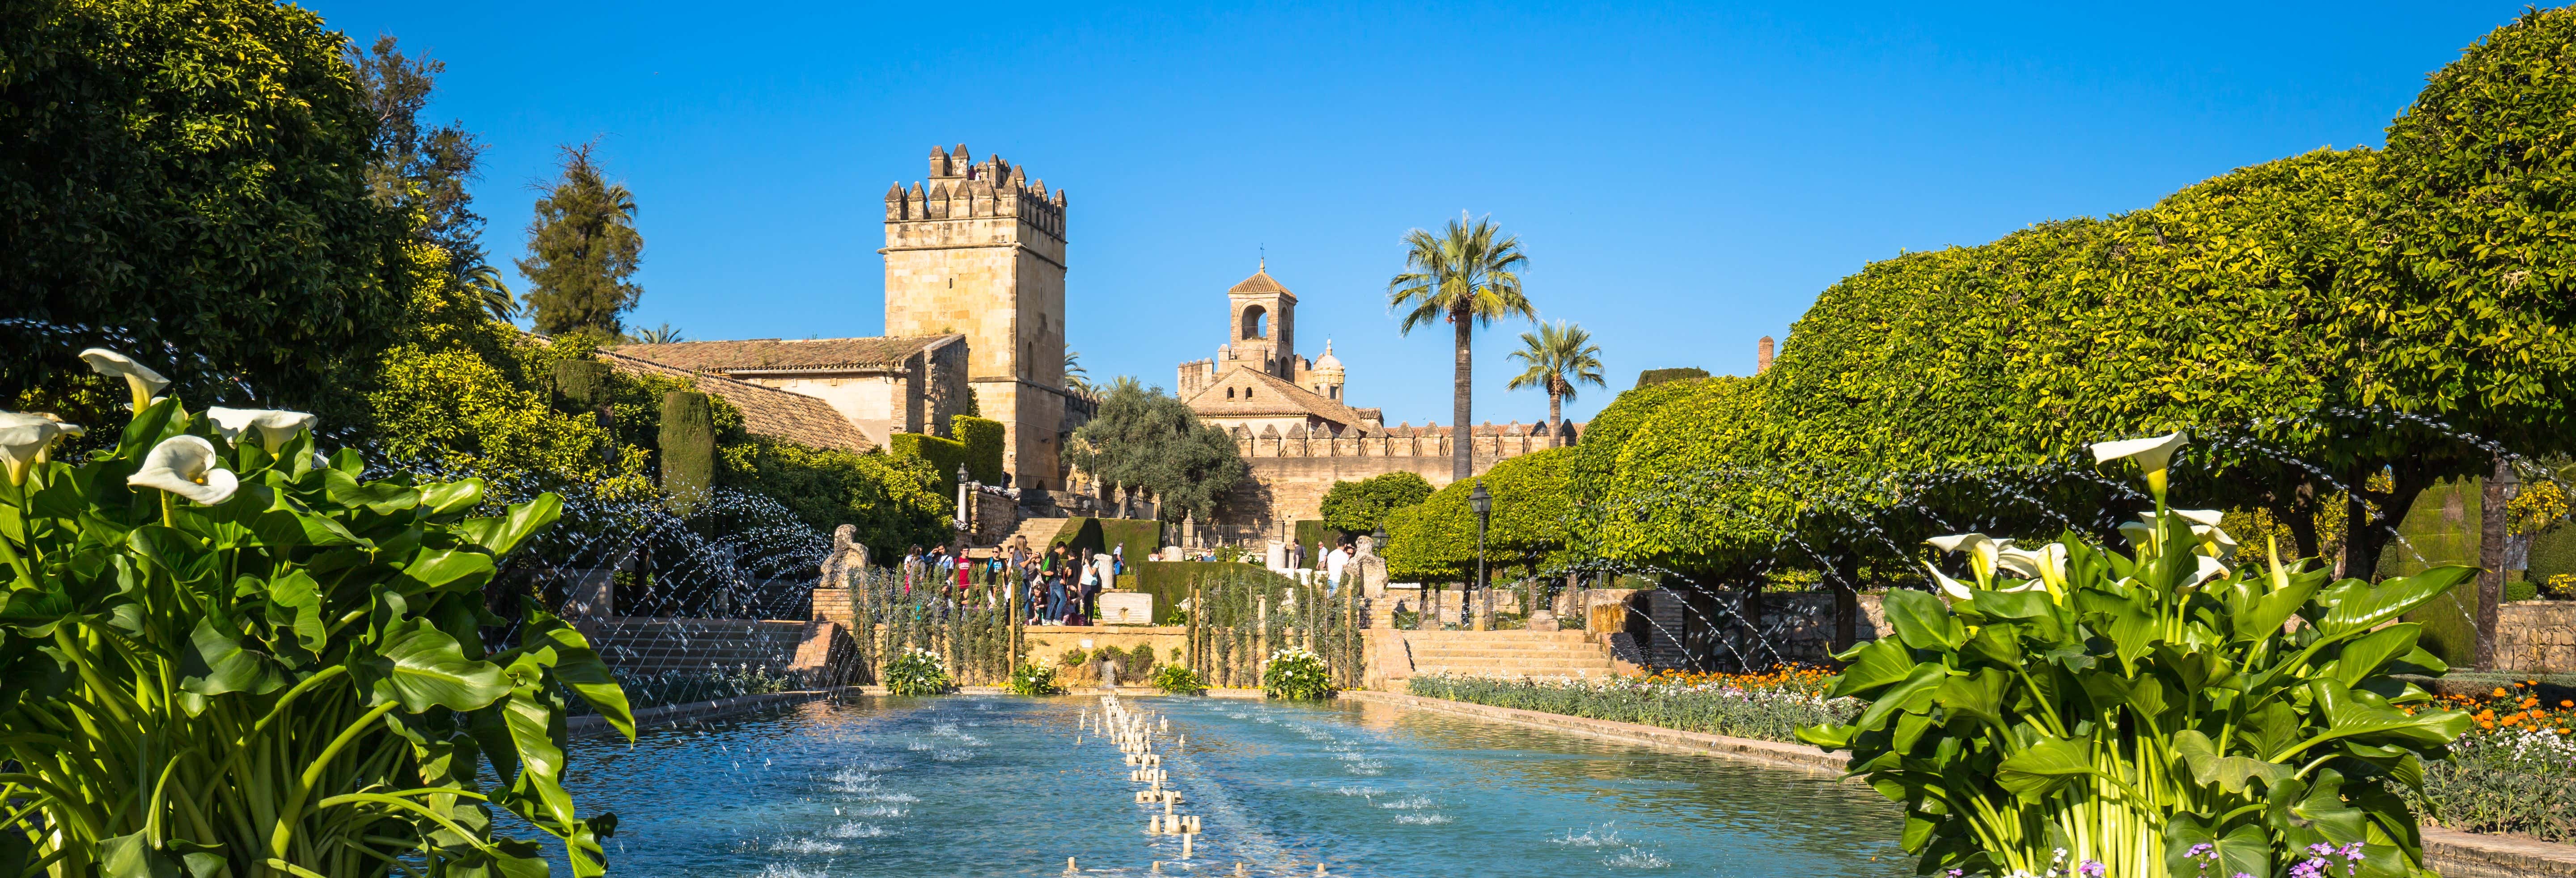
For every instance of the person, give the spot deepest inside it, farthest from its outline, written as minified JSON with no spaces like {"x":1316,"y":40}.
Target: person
{"x":1333,"y":563}
{"x":964,"y":567}
{"x":1055,"y":596}
{"x":911,"y":568}
{"x":1090,"y":582}
{"x":1296,"y":555}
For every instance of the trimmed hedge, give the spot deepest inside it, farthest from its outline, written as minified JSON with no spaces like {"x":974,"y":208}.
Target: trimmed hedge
{"x":1310,"y":532}
{"x":943,"y":456}
{"x":1653,"y":377}
{"x":1138,"y":539}
{"x":982,"y":438}
{"x":1169,"y":582}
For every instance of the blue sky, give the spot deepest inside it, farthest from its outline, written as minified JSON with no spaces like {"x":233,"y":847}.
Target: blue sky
{"x":1685,"y":179}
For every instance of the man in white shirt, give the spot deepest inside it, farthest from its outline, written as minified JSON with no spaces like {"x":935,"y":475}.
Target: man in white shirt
{"x":1333,"y":562}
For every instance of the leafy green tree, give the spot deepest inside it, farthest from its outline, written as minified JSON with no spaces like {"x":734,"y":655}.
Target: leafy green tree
{"x":1467,"y":274}
{"x":582,"y":247}
{"x":893,"y":500}
{"x":1557,"y":358}
{"x":1147,"y":440}
{"x":146,"y":150}
{"x":1531,"y":527}
{"x":421,"y":171}
{"x":486,"y":285}
{"x":1361,"y":506}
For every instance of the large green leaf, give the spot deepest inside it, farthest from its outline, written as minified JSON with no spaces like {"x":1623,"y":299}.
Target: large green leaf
{"x":1921,"y":621}
{"x":1883,"y":662}
{"x":580,"y":669}
{"x":2391,"y":599}
{"x":132,"y":856}
{"x":2234,"y":774}
{"x":422,"y":667}
{"x":449,"y":498}
{"x":2364,"y":655}
{"x":1923,"y":679}
{"x":215,"y":663}
{"x":436,"y":570}
{"x":380,"y":497}
{"x":2043,"y":767}
{"x":2242,"y":850}
{"x":2350,"y":718}
{"x":502,"y":535}
{"x":1979,"y":697}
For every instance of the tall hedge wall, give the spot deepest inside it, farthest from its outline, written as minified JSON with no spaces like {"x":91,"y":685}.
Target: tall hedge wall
{"x":1137,"y":539}
{"x":943,"y":455}
{"x":982,"y":438}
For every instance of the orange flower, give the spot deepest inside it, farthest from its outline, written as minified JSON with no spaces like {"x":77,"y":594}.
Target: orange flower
{"x":2500,"y":693}
{"x":2486,"y":725}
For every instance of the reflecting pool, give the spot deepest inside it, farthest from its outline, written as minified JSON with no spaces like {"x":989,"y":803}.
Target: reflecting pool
{"x":967,"y":785}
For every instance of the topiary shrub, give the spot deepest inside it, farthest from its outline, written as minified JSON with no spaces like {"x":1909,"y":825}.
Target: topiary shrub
{"x":1297,"y":675}
{"x":980,"y":444}
{"x":688,"y":448}
{"x":918,"y":671}
{"x":1178,"y":680}
{"x":1035,"y":679}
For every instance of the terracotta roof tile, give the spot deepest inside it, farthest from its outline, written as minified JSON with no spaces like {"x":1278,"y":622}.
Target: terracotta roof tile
{"x":1261,"y":282}
{"x":766,"y":411}
{"x":766,"y":354}
{"x":1275,"y":397}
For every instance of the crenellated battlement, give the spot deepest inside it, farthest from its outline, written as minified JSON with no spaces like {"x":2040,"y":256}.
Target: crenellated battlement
{"x":1195,"y":375}
{"x":1489,"y":441}
{"x":961,"y":188}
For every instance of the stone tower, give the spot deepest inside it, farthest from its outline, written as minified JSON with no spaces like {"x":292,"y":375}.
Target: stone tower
{"x":1262,"y":324}
{"x":979,"y":250}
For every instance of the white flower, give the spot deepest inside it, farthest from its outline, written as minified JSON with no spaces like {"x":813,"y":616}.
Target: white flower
{"x":1981,"y":550}
{"x":2047,"y":564}
{"x":2153,"y":454}
{"x":1949,"y":586}
{"x":185,"y":465}
{"x":273,"y":426}
{"x":2202,"y":517}
{"x":2208,"y":568}
{"x":141,"y":381}
{"x":24,"y":438}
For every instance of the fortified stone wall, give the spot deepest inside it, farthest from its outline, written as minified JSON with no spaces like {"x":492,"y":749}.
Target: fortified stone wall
{"x":1291,"y":471}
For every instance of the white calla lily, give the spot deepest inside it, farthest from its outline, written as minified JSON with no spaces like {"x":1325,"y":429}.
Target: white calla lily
{"x":2047,"y":564}
{"x":2207,"y":569}
{"x":139,"y":379}
{"x":2202,"y":517}
{"x":2139,"y":533}
{"x":2217,"y":543}
{"x":24,"y":439}
{"x":272,"y":426}
{"x":2153,"y":454}
{"x":1950,"y":587}
{"x":185,"y":465}
{"x":1982,"y":550}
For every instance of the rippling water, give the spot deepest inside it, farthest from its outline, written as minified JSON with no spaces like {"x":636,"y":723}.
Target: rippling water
{"x":997,"y":786}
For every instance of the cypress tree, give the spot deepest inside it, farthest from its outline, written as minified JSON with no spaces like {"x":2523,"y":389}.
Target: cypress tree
{"x":688,"y":448}
{"x":582,"y":247}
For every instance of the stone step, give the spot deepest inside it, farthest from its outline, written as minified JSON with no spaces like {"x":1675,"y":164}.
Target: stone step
{"x":1423,"y":654}
{"x":1550,"y":661}
{"x":1499,"y":636}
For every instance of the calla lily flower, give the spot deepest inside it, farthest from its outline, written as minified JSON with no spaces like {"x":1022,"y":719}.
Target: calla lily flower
{"x":141,"y":380}
{"x":2208,"y":568}
{"x":185,"y":465}
{"x":24,"y":439}
{"x":1950,"y":587}
{"x":2153,"y":454}
{"x":2047,"y":564}
{"x":2202,"y":517}
{"x":1981,"y":550}
{"x":273,"y":426}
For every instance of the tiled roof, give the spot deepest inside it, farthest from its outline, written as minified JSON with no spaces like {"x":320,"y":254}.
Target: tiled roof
{"x":1260,"y":282}
{"x":768,"y":354}
{"x":1275,"y":397}
{"x":766,"y":411}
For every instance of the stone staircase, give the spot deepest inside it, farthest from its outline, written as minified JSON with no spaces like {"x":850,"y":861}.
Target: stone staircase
{"x":645,"y":646}
{"x":1037,"y":531}
{"x":1508,"y":654}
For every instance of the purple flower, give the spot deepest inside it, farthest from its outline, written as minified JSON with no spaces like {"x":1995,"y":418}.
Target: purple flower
{"x":2091,"y":869}
{"x":2199,"y":850}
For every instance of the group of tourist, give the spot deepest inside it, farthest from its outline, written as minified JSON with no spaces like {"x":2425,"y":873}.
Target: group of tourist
{"x":1058,"y":586}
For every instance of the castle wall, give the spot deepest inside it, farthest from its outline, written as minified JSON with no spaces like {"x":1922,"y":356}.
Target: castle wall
{"x":1290,"y":475}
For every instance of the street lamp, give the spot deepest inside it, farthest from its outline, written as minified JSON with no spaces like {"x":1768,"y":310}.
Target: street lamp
{"x":962,"y":476}
{"x":1484,"y":504}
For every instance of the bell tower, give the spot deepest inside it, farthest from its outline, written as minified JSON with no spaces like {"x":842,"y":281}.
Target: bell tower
{"x":1261,"y":324}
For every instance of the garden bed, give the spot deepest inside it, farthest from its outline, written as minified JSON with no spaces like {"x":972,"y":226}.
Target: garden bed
{"x":1769,"y":706}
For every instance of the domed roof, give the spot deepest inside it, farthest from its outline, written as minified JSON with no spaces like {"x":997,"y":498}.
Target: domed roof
{"x":1328,"y":362}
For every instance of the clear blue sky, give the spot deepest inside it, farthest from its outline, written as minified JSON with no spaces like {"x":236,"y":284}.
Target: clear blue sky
{"x":1685,"y":180}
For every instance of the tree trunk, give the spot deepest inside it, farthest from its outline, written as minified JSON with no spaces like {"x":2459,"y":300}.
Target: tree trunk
{"x":1462,"y":440}
{"x":2494,"y":526}
{"x":1555,"y":417}
{"x":1846,"y":602}
{"x":2365,"y":540}
{"x":1750,"y":650}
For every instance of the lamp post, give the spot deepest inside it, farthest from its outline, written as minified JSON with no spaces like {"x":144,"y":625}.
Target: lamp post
{"x":1484,"y":504}
{"x":962,"y":476}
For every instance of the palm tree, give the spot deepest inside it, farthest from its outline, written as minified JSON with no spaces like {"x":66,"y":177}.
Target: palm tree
{"x":1464,"y":275}
{"x":1558,"y":358}
{"x":663,"y":334}
{"x":485,"y":283}
{"x":1075,"y":379}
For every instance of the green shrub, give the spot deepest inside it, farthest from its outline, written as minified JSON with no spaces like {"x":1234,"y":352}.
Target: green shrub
{"x":1034,"y":679}
{"x":893,"y":501}
{"x":1297,"y":675}
{"x":1652,"y":377}
{"x":1361,"y":507}
{"x":918,"y":672}
{"x":943,"y":455}
{"x":2147,"y":710}
{"x":1178,"y":680}
{"x":1140,"y":662}
{"x":1719,"y":707}
{"x":981,"y":443}
{"x":234,"y":657}
{"x":1138,"y":539}
{"x":688,"y":448}
{"x":1072,"y":658}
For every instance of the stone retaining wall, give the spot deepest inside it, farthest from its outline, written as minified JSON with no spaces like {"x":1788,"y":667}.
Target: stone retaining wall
{"x":2536,"y":637}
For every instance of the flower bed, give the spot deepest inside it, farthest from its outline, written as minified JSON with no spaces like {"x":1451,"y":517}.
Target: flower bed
{"x":1767,"y":706}
{"x":2514,"y":774}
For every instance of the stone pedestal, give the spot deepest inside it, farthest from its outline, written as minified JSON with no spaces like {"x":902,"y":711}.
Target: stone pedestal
{"x":1126,"y":608}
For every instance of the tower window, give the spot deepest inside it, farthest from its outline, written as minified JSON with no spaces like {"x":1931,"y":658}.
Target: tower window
{"x":1256,"y":323}
{"x":1229,"y":393}
{"x":1247,"y":393}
